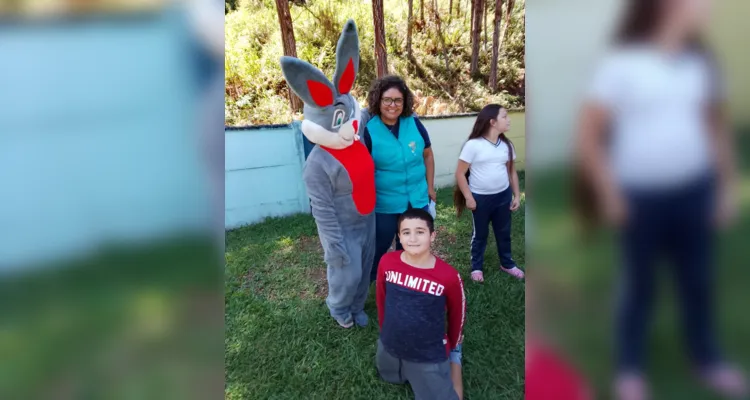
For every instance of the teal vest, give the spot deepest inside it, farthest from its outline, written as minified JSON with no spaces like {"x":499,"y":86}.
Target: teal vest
{"x":400,"y":174}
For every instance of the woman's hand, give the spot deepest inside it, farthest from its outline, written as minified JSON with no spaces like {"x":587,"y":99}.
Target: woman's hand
{"x":516,"y":202}
{"x":471,"y":204}
{"x":433,"y":194}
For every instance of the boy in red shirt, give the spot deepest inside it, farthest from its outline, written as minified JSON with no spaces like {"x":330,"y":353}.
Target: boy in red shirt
{"x":416,"y":293}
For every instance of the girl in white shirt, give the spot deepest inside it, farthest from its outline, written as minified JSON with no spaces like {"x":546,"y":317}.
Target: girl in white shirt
{"x":487,"y":184}
{"x":656,"y":155}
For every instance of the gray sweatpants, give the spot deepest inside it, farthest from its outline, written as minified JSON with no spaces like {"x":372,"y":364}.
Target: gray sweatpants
{"x":428,"y":381}
{"x":349,"y":284}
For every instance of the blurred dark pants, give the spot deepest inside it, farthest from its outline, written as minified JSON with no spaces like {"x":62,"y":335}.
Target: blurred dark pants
{"x":675,"y":224}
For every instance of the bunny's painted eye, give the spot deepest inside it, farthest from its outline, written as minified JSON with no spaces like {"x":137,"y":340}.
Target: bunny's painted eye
{"x":338,"y":119}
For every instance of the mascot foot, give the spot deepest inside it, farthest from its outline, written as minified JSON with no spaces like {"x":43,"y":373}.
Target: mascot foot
{"x":361,"y":318}
{"x":345,"y":322}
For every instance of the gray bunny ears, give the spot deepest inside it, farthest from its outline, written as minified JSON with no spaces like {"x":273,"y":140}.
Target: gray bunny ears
{"x":311,"y":85}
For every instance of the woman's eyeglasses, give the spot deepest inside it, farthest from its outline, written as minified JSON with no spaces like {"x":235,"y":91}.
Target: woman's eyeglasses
{"x":389,"y":101}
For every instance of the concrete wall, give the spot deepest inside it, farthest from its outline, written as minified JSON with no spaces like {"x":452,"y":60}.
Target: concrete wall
{"x":564,"y":40}
{"x":263,"y":173}
{"x":448,"y":135}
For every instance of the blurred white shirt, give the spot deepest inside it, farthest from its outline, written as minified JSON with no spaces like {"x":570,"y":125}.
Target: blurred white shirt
{"x":658,"y":103}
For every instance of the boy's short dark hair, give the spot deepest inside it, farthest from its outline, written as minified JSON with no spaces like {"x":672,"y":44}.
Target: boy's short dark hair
{"x":417,"y":213}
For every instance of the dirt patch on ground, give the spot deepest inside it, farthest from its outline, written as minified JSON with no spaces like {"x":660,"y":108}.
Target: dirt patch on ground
{"x":438,"y":252}
{"x":248,"y":280}
{"x":319,"y":279}
{"x":256,"y":286}
{"x":316,"y":274}
{"x":310,"y":244}
{"x":445,"y":235}
{"x":443,"y":241}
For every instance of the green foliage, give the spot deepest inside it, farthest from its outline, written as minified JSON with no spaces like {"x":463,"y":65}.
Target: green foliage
{"x":256,"y":92}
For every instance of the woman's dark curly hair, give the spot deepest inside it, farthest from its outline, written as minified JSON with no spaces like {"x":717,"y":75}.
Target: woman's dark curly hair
{"x":380,"y":86}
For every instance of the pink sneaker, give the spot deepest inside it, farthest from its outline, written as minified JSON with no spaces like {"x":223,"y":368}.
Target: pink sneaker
{"x":631,"y":387}
{"x":477,"y":276}
{"x":727,"y":381}
{"x":514,"y":272}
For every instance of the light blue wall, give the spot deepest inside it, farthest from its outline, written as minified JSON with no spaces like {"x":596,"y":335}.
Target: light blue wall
{"x":263,"y":175}
{"x":264,"y":166}
{"x":98,"y":141}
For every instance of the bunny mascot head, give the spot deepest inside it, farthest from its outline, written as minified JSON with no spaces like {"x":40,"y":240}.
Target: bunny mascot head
{"x":339,"y":176}
{"x":332,"y":115}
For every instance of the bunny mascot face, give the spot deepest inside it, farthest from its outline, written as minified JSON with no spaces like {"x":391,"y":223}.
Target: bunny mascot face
{"x":339,"y":176}
{"x":332,"y":115}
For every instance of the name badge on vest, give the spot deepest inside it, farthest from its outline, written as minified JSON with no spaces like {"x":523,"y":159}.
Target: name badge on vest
{"x":413,"y":147}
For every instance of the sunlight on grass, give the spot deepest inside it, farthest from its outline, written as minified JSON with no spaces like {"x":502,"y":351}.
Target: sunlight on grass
{"x":151,"y":314}
{"x":285,"y":244}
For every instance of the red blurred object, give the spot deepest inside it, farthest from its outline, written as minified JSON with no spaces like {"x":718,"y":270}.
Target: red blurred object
{"x":550,"y":377}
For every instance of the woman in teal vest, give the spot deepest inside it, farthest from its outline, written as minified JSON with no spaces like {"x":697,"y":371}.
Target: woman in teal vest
{"x":404,"y":165}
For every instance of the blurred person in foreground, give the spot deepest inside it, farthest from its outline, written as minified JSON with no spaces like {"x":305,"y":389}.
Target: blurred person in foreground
{"x":655,"y":153}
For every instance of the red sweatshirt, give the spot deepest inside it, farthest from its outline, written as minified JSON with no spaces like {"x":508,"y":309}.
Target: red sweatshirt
{"x":549,"y":376}
{"x":412,"y":307}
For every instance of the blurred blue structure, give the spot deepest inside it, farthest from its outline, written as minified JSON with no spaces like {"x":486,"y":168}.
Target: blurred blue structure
{"x":98,"y":135}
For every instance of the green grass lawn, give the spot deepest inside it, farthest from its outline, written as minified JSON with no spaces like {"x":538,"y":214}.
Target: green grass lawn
{"x":128,"y":322}
{"x":281,"y":342}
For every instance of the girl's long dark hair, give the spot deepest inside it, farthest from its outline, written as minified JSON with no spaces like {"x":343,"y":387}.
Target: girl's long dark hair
{"x":640,"y":21}
{"x":481,"y":126}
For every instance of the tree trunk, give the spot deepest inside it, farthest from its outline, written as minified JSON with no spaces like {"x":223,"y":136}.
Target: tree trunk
{"x":476,"y":32}
{"x":471,"y":16}
{"x":450,"y":9}
{"x":410,"y":24}
{"x":381,"y":55}
{"x":485,"y":9}
{"x":439,"y":28}
{"x":421,"y":10}
{"x":495,"y":45}
{"x":508,"y":18}
{"x":290,"y":45}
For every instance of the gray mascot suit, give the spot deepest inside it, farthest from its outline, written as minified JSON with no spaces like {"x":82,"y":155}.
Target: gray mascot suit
{"x":339,"y":176}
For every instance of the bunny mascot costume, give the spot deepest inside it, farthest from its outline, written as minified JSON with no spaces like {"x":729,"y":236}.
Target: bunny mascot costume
{"x":339,"y":176}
